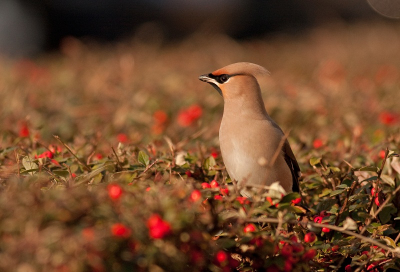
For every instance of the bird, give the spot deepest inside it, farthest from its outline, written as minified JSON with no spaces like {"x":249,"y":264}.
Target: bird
{"x":254,"y":149}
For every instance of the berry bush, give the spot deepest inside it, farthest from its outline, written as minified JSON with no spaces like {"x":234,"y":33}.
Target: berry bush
{"x":110,"y":162}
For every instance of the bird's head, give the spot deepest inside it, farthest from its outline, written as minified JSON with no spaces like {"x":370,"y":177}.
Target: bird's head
{"x":236,"y":79}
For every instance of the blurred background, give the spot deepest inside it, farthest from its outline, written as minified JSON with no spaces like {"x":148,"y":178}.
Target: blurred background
{"x":105,"y":68}
{"x":30,"y":27}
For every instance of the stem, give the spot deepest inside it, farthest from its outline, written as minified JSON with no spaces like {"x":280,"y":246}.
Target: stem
{"x":73,"y":154}
{"x":119,"y":166}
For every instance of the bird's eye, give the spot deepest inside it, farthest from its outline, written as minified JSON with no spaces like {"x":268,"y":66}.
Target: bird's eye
{"x":223,"y":78}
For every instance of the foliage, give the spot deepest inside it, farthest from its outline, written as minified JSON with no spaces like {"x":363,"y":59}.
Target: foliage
{"x":134,"y":180}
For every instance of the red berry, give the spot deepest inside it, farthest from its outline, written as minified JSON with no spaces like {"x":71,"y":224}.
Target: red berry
{"x":187,"y":116}
{"x":310,"y":254}
{"x":365,"y":253}
{"x":195,"y":196}
{"x":379,"y":249}
{"x":297,"y":247}
{"x":296,"y":201}
{"x":242,"y":200}
{"x":158,"y":228}
{"x":324,"y":213}
{"x":388,"y":118}
{"x":317,"y":143}
{"x":214,"y":184}
{"x":258,"y":242}
{"x":221,"y":257}
{"x":326,"y":229}
{"x":188,"y":173}
{"x":377,"y":201}
{"x":114,"y":191}
{"x":348,"y":268}
{"x":310,"y":237}
{"x":160,"y":117}
{"x":120,"y":230}
{"x":195,"y":111}
{"x":287,"y":251}
{"x":269,"y":199}
{"x":382,"y":154}
{"x":294,"y":259}
{"x":46,"y":154}
{"x":205,"y":185}
{"x":335,"y":248}
{"x":318,"y":219}
{"x":218,"y":197}
{"x":288,"y":266}
{"x":224,"y":191}
{"x":122,"y":138}
{"x":249,"y":228}
{"x":294,"y":238}
{"x":233,"y":263}
{"x":24,"y":131}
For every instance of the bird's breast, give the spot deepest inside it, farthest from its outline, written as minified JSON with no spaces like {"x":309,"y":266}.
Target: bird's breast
{"x":247,"y":147}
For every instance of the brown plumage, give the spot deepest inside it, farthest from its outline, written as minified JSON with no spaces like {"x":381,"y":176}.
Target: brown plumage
{"x":253,"y":146}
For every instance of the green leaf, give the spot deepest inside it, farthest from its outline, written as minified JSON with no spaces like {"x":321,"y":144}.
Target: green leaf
{"x":325,"y":192}
{"x":334,"y":169}
{"x":388,"y":180}
{"x":62,"y":173}
{"x":373,"y":178}
{"x":389,"y":241}
{"x":209,"y":163}
{"x":226,"y":242}
{"x":326,"y":204}
{"x":314,"y":161}
{"x":336,"y":192}
{"x":29,"y":163}
{"x":342,"y":186}
{"x":386,"y":212}
{"x":143,"y":158}
{"x":369,"y":169}
{"x":7,"y":150}
{"x":289,"y":197}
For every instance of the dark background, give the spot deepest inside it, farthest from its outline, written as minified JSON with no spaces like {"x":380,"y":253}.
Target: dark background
{"x":30,"y":27}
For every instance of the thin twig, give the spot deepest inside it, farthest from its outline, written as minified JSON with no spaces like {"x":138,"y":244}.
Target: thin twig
{"x":73,"y":154}
{"x":151,"y":165}
{"x":90,"y":157}
{"x":280,"y":223}
{"x":119,"y":166}
{"x":385,"y":203}
{"x":346,"y":200}
{"x":18,"y":161}
{"x":373,"y":197}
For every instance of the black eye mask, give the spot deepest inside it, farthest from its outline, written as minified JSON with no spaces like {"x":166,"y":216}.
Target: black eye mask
{"x":220,"y":79}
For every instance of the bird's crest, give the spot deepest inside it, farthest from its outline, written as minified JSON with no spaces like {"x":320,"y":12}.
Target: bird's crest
{"x":242,"y":68}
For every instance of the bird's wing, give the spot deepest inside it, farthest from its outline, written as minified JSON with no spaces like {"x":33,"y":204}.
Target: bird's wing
{"x":293,"y":165}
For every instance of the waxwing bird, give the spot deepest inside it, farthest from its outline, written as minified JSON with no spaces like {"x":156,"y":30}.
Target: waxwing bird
{"x":254,"y":148}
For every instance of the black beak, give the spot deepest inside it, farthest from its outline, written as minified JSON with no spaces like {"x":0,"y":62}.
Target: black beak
{"x":205,"y":78}
{"x":208,"y":79}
